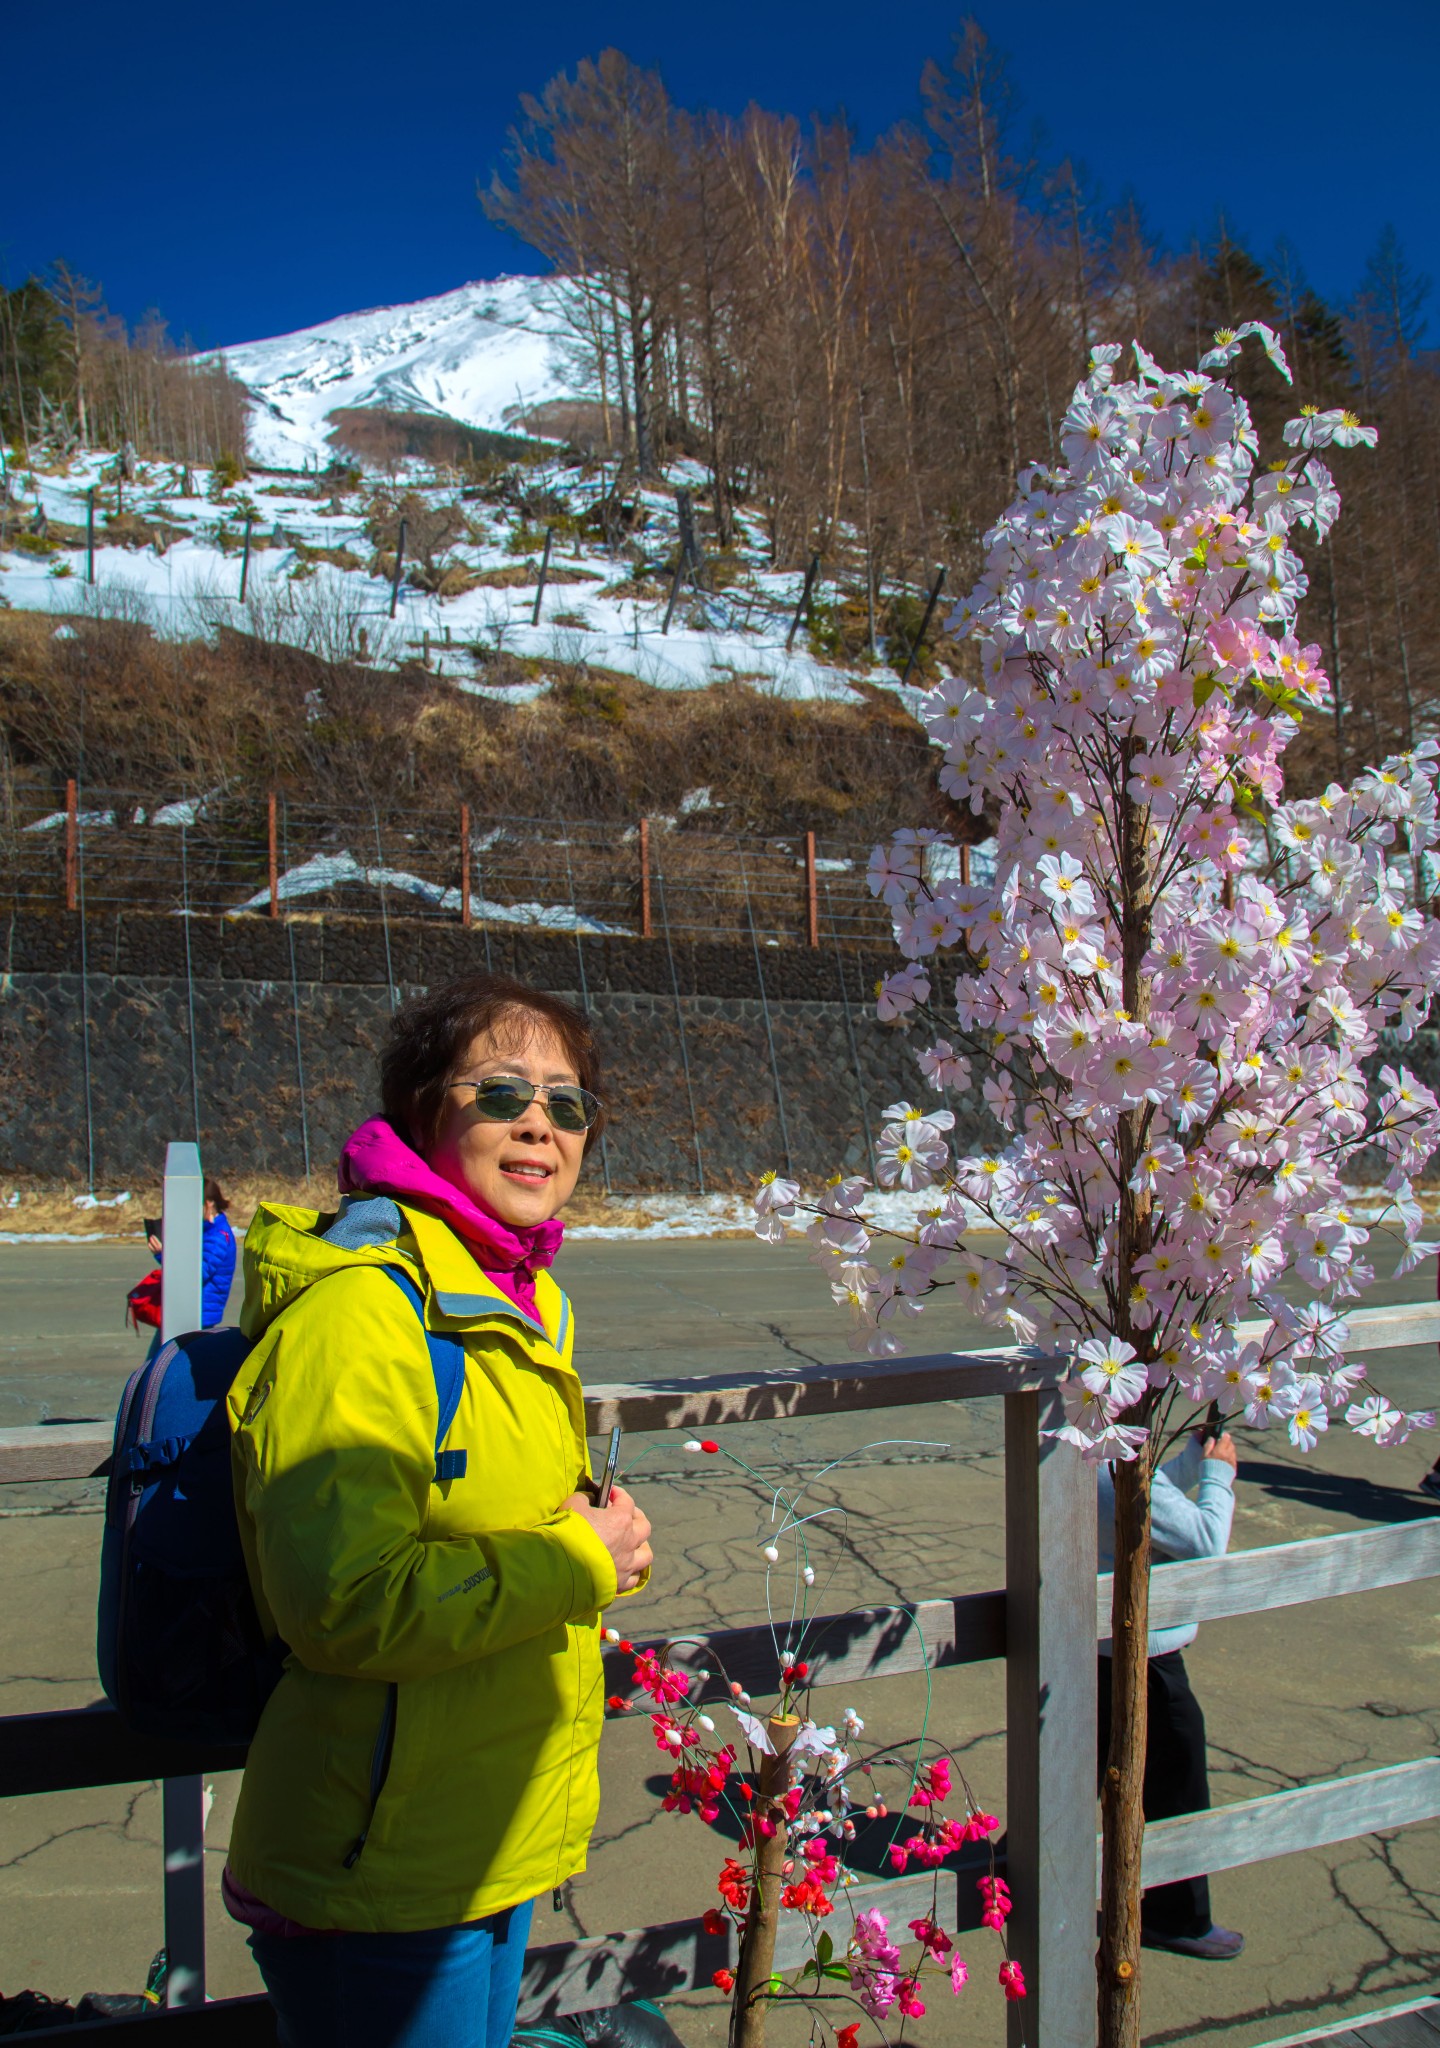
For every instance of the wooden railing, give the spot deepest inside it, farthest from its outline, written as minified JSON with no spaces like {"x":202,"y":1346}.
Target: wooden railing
{"x":1045,"y":1624}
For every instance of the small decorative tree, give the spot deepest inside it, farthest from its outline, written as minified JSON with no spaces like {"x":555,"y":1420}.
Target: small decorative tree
{"x":798,"y":1816}
{"x":1174,"y":988}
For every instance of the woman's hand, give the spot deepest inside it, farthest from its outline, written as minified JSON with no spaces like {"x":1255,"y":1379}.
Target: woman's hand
{"x":1223,"y":1448}
{"x":624,"y":1529}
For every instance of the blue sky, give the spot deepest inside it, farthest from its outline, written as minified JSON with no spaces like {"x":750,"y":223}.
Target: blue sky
{"x":250,"y":171}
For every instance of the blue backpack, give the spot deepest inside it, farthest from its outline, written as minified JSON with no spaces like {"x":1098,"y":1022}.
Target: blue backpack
{"x":181,"y":1650}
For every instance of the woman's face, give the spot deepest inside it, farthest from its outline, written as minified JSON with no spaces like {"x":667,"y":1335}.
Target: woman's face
{"x":522,"y":1172}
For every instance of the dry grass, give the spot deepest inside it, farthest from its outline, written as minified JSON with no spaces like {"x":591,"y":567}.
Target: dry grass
{"x":247,"y":714}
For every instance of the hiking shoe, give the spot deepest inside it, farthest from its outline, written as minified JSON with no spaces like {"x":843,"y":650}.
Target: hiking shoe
{"x":1430,"y":1485}
{"x":1220,"y":1945}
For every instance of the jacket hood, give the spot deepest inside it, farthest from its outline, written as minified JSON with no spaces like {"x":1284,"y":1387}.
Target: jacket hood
{"x":288,"y":1249}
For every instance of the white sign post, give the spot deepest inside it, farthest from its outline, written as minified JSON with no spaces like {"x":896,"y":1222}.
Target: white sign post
{"x":183,"y":1799}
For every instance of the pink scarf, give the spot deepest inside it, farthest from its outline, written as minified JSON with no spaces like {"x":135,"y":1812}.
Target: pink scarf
{"x":376,"y":1160}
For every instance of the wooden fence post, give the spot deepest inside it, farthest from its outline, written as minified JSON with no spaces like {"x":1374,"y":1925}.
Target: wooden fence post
{"x":812,"y":907}
{"x":465,"y":866}
{"x":399,"y":565}
{"x":273,"y":849}
{"x":802,"y":603}
{"x":924,"y":626}
{"x":245,"y":559}
{"x":965,"y":867}
{"x":1050,"y":1717}
{"x":72,"y":844}
{"x":90,"y":535}
{"x":183,"y":1799}
{"x":645,"y":930}
{"x":544,"y":572}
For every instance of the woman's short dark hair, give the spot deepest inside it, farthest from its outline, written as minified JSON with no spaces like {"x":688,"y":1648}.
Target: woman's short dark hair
{"x":431,"y":1034}
{"x":216,"y":1194}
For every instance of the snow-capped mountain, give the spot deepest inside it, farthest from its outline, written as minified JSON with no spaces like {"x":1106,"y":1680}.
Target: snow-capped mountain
{"x":484,"y":355}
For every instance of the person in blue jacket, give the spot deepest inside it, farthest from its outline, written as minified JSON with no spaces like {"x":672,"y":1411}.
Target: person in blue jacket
{"x":217,"y":1256}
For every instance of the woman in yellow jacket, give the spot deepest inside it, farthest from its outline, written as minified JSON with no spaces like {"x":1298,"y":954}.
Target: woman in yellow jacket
{"x":426,"y":1766}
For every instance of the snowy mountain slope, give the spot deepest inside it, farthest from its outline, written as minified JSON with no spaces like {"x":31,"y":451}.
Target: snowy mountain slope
{"x":480,"y":355}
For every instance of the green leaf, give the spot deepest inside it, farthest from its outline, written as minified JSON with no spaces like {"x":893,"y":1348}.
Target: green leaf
{"x":824,"y":1949}
{"x":1205,"y":686}
{"x":837,"y":1970}
{"x":776,"y":1986}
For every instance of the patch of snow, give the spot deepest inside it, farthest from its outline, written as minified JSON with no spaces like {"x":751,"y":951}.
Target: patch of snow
{"x":52,"y":820}
{"x":697,"y":800}
{"x":184,"y":811}
{"x":504,"y":693}
{"x":330,"y":870}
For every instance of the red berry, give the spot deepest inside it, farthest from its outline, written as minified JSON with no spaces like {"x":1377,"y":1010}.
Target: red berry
{"x":706,"y":1445}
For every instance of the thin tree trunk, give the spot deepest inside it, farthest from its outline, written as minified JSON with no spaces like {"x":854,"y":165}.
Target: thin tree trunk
{"x":757,"y":1946}
{"x":1122,"y":1790}
{"x":1122,"y":1815}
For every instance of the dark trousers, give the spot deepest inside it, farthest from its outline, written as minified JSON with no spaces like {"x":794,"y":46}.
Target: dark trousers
{"x":1175,"y":1782}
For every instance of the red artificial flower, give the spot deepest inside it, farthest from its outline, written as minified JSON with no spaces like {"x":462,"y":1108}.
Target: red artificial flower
{"x":847,"y":2037}
{"x":745,"y":1790}
{"x":627,"y":1649}
{"x":724,"y":1980}
{"x":714,"y":1921}
{"x":1012,"y":1980}
{"x":733,"y":1885}
{"x":707,"y":1445}
{"x":807,"y":1897}
{"x":932,"y":1938}
{"x":662,"y":1684}
{"x":996,"y":1894}
{"x":617,"y":1705}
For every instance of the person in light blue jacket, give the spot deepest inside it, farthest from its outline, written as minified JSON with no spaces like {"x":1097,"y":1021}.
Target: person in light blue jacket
{"x":1176,"y":1916}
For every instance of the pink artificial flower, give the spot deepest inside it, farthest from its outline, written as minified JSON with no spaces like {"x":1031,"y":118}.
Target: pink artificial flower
{"x":1012,"y":1979}
{"x":909,"y":2000}
{"x":661,"y":1684}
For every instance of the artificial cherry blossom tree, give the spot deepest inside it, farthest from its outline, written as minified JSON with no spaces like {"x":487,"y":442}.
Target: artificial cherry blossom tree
{"x":1175,"y":991}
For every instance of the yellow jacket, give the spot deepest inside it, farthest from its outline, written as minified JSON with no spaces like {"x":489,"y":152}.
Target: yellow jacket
{"x":429,"y":1755}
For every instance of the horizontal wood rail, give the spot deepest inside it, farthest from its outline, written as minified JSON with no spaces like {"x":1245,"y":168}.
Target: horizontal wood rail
{"x":1286,"y":1574}
{"x":1283,"y":1823}
{"x":1045,"y":1627}
{"x":80,"y":1450}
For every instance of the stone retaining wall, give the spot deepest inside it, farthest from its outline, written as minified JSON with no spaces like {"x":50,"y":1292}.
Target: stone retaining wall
{"x":279,"y":1063}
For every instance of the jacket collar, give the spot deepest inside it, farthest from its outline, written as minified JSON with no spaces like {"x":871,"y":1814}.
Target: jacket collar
{"x":463,"y":1294}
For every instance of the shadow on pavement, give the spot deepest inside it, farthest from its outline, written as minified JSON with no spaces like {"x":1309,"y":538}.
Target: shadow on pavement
{"x":1336,"y":1492}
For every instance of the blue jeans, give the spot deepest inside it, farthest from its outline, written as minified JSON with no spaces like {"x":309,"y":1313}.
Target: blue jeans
{"x":449,"y":1987}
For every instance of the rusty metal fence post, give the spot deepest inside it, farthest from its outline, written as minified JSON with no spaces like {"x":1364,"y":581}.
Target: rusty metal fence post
{"x":645,"y":928}
{"x":465,"y":866}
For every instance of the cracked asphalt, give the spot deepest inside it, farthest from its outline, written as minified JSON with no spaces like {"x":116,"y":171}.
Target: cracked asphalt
{"x":1304,"y":1694}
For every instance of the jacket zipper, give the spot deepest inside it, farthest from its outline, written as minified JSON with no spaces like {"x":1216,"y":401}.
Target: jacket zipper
{"x":379,"y":1771}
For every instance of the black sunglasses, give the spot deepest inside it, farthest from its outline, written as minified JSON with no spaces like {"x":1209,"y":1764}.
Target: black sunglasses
{"x":504,"y":1099}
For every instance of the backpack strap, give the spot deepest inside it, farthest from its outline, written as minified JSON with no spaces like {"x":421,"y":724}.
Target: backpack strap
{"x":447,"y":1362}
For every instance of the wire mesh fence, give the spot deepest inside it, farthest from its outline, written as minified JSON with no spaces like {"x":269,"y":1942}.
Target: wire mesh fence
{"x":107,"y":850}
